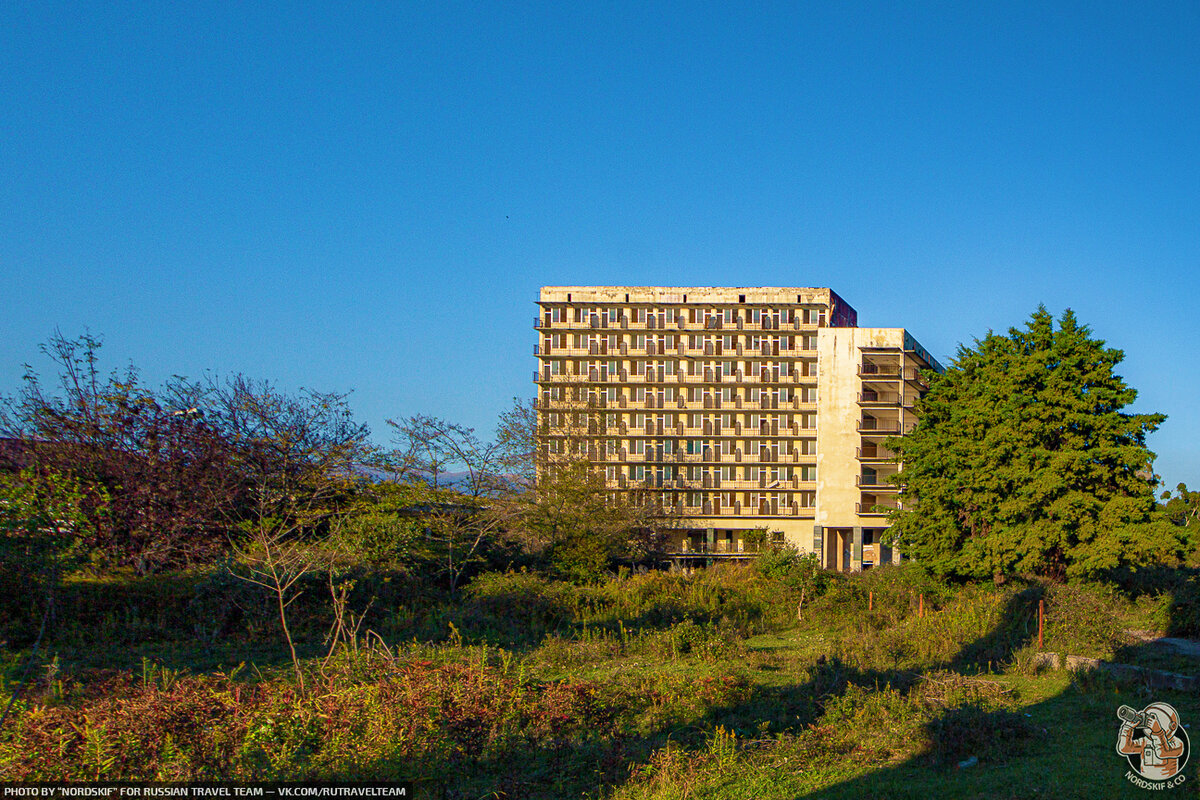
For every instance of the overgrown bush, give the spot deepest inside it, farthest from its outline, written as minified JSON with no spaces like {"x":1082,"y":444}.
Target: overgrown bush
{"x":1082,"y":620}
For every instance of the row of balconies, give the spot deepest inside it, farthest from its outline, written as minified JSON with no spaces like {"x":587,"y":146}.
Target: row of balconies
{"x":656,"y":428}
{"x":710,"y":455}
{"x":720,"y":546}
{"x":660,"y":375}
{"x":871,"y":427}
{"x":708,"y":403}
{"x":711,"y":483}
{"x":711,"y":349}
{"x":654,"y":323}
{"x":873,"y":507}
{"x":765,"y":509}
{"x":709,"y":428}
{"x":875,"y":483}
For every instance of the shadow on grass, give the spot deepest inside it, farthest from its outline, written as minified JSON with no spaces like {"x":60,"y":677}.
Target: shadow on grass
{"x":1058,"y":750}
{"x":602,"y":763}
{"x":1063,"y":746}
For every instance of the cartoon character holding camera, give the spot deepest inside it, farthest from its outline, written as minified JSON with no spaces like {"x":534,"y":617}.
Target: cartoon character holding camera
{"x":1151,"y":739}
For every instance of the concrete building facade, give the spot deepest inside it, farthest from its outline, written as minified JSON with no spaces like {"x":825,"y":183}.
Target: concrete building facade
{"x":742,"y":409}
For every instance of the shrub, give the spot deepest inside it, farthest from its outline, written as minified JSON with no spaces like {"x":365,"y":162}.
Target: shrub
{"x":1083,"y":620}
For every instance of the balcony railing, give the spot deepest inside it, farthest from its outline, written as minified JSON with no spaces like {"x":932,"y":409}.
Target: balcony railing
{"x":741,"y":547}
{"x":873,"y":509}
{"x":876,"y":482}
{"x":879,"y":426}
{"x":879,"y":399}
{"x":775,"y":509}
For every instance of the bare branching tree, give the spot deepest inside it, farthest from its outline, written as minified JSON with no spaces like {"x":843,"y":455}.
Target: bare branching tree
{"x":517,"y":443}
{"x":421,"y":451}
{"x":168,"y":472}
{"x":428,"y":447}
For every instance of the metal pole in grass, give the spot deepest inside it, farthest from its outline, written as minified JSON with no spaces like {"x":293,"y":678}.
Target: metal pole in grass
{"x":1041,"y":620}
{"x":870,"y":601}
{"x":921,"y":608}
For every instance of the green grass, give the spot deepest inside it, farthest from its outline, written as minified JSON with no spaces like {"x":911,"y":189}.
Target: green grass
{"x":648,"y":686}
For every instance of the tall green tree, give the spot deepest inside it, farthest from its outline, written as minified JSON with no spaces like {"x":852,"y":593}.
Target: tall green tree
{"x":1183,"y":511}
{"x":1024,"y":461}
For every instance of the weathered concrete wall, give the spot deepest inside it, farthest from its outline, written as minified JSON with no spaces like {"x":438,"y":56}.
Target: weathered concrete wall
{"x":839,"y":353}
{"x":695,"y":295}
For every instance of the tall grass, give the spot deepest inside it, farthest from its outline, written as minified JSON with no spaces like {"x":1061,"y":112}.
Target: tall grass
{"x":532,"y":687}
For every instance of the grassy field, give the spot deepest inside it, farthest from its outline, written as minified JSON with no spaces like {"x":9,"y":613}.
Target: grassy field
{"x":719,"y":684}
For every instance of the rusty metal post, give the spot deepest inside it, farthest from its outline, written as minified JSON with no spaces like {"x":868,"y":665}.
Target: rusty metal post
{"x":921,"y":609}
{"x":1041,"y":620}
{"x":870,"y":601}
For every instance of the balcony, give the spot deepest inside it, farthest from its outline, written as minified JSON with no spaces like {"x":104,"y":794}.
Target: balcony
{"x":914,"y":376}
{"x":874,"y":509}
{"x":880,"y":399}
{"x":591,"y":323}
{"x":880,"y":371}
{"x":874,"y":454}
{"x":879,"y":426}
{"x":739,"y":547}
{"x":875,"y":483}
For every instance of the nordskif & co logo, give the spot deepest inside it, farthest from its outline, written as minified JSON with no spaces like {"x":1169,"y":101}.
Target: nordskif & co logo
{"x":1155,"y":745}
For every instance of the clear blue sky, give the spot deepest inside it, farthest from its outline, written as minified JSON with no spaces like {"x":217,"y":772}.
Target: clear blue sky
{"x":369,"y":198}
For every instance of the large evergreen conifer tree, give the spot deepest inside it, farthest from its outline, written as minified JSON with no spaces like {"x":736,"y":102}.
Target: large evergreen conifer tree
{"x":1025,"y":463}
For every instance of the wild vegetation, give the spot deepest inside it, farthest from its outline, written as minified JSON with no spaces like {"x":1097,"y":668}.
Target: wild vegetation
{"x":198,"y":582}
{"x":649,"y":684}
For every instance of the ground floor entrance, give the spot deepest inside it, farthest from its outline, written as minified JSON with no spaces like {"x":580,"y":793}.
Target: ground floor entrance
{"x":851,"y":549}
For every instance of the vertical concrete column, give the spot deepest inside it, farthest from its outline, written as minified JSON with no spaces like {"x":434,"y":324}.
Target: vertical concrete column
{"x":819,"y":544}
{"x":856,"y":551}
{"x":712,"y":539}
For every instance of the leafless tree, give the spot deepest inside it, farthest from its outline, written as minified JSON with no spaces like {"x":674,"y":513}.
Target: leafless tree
{"x":429,"y":446}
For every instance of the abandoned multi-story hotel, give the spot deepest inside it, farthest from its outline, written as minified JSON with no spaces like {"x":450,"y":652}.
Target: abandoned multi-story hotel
{"x":743,"y":409}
